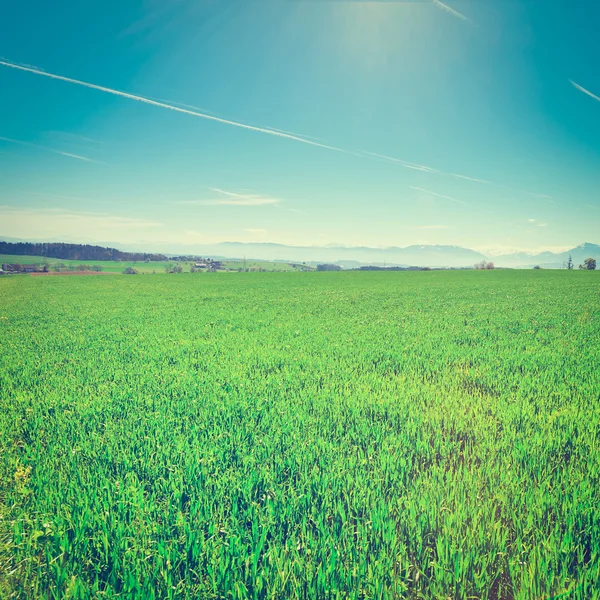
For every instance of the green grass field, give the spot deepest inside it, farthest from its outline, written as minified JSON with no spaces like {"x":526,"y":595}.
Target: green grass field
{"x":111,"y":266}
{"x":108,"y":266}
{"x":318,"y":435}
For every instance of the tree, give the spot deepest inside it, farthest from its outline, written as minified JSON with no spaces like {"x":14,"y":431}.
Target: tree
{"x":129,"y":271}
{"x":589,"y":264}
{"x":483,"y":265}
{"x":570,"y":264}
{"x":537,"y":267}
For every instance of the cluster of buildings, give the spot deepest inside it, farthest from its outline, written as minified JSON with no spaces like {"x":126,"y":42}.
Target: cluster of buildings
{"x":19,"y":268}
{"x":206,"y":264}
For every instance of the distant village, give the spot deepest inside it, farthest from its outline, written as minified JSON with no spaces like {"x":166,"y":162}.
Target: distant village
{"x":19,"y":268}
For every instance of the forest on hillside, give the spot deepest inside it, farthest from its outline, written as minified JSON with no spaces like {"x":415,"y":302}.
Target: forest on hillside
{"x":74,"y":251}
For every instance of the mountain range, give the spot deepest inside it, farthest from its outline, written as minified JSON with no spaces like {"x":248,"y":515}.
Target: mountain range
{"x":419,"y":256}
{"x":549,"y":260}
{"x":433,"y":256}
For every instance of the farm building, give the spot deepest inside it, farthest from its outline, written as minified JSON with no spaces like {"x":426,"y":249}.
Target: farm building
{"x":208,"y":264}
{"x":19,"y":268}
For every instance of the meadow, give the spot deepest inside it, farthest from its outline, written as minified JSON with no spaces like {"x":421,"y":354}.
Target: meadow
{"x":353,"y":435}
{"x":145,"y":268}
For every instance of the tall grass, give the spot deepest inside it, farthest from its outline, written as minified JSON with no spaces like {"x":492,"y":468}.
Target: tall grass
{"x":330,"y":435}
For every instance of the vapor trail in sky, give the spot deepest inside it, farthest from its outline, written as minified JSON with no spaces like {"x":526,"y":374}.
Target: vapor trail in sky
{"x":171,"y":107}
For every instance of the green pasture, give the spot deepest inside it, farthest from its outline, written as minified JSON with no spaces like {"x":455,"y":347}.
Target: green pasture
{"x":109,"y":266}
{"x":349,"y":435}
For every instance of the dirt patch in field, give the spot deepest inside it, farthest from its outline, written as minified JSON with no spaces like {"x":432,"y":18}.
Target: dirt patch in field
{"x":71,"y":273}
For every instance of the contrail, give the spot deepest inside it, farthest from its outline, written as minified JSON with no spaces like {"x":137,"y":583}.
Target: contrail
{"x":210,"y":117}
{"x":412,"y":187}
{"x":468,"y":178}
{"x":452,"y":11}
{"x":404,"y":163}
{"x":171,"y":107}
{"x":424,"y":168}
{"x":21,"y":143}
{"x":582,"y":89}
{"x":74,"y":156}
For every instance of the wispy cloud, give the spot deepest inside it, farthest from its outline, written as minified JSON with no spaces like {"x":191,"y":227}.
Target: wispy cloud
{"x":236,"y":199}
{"x":232,"y":199}
{"x":537,"y":223}
{"x":412,"y":187}
{"x":243,"y":202}
{"x":230,"y":202}
{"x":452,"y":11}
{"x":44,"y":223}
{"x":257,"y":231}
{"x":582,"y":89}
{"x":37,"y":147}
{"x":543,"y":197}
{"x":432,"y":227}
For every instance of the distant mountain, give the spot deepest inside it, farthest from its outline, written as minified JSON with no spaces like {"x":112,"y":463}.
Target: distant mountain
{"x":355,"y":256}
{"x":550,"y":260}
{"x":419,"y":256}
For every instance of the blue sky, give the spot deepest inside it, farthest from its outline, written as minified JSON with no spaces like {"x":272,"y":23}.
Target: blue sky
{"x":488,"y":143}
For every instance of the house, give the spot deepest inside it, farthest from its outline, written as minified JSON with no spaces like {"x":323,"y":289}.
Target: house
{"x":12,"y":267}
{"x":19,"y":268}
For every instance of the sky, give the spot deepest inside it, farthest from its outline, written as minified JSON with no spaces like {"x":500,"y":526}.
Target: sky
{"x":302,"y":122}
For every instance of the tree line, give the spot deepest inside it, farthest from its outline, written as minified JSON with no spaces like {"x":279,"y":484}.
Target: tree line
{"x":589,"y":264}
{"x":74,"y":251}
